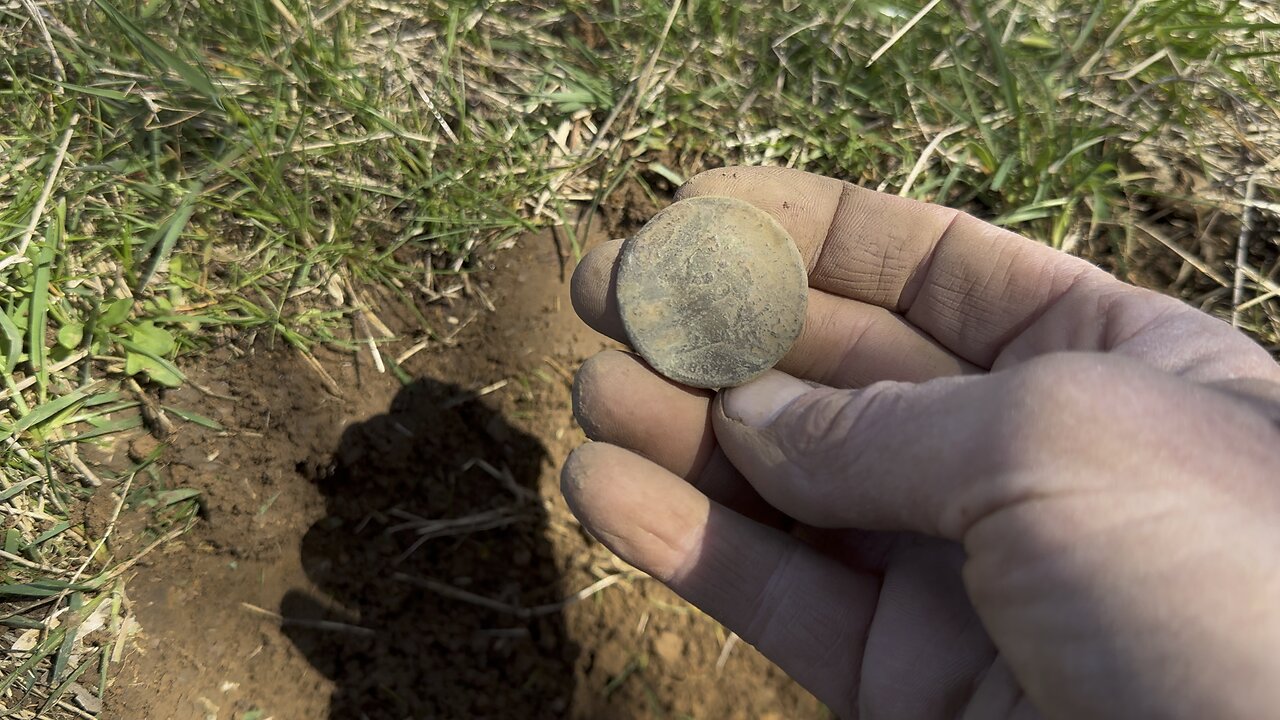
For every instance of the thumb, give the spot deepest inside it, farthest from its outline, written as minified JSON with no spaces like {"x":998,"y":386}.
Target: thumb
{"x":870,"y":458}
{"x":931,"y":457}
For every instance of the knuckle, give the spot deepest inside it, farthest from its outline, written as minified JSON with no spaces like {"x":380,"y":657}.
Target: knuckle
{"x":834,"y":429}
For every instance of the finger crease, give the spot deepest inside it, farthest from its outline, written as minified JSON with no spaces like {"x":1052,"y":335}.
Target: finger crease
{"x":912,"y":289}
{"x":767,"y":603}
{"x":1035,"y":315}
{"x":845,"y":190}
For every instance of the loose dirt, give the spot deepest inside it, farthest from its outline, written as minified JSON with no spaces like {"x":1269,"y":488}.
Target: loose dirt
{"x":394,"y":550}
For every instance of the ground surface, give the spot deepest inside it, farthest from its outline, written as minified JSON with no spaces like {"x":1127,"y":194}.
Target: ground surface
{"x":301,"y":497}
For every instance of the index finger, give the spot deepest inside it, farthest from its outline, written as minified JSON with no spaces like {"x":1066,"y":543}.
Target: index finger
{"x":971,"y":286}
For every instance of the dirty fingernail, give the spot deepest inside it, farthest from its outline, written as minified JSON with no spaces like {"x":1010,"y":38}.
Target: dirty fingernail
{"x":573,"y":474}
{"x":758,"y":402}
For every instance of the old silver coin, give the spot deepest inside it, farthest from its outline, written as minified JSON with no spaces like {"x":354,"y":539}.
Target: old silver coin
{"x":712,"y":291}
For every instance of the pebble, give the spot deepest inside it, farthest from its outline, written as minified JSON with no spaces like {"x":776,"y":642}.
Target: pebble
{"x":670,"y":647}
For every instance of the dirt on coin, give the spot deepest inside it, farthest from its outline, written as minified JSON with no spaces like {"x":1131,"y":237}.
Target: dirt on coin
{"x":334,"y":511}
{"x":712,"y":292}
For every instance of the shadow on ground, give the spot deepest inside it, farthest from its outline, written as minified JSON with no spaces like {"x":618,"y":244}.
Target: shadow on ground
{"x":393,"y":648}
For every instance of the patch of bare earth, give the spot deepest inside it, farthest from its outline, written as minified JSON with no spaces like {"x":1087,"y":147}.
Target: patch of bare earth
{"x":402,"y":551}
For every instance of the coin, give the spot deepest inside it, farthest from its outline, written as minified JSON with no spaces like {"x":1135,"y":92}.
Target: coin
{"x":712,"y":292}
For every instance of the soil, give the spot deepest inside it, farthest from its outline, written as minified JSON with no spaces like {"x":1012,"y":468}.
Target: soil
{"x":320,"y":582}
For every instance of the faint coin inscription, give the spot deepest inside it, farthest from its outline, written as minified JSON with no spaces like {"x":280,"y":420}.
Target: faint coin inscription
{"x":712,"y":291}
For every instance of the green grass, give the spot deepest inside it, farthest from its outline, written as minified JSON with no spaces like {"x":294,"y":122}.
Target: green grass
{"x":173,"y":174}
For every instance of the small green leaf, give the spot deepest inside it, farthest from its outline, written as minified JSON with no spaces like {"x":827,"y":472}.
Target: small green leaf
{"x":158,"y":371}
{"x":405,"y":378}
{"x":151,"y":339}
{"x":48,"y":410}
{"x":166,"y":236}
{"x":133,"y":363}
{"x":143,"y":342}
{"x":14,"y":490}
{"x":106,"y":398}
{"x":1039,"y":41}
{"x":162,"y":374}
{"x":117,"y":311}
{"x":49,"y":534}
{"x":63,"y":657}
{"x":59,"y":666}
{"x":70,"y":335}
{"x":18,"y":621}
{"x":40,"y":588}
{"x":10,"y":343}
{"x":158,"y":55}
{"x":671,"y":176}
{"x":104,"y":93}
{"x":41,"y":652}
{"x":1002,"y":173}
{"x":40,"y":304}
{"x":108,"y":428}
{"x":165,"y":498}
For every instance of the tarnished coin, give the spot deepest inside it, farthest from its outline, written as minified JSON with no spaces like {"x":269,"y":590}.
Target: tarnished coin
{"x":712,"y":291}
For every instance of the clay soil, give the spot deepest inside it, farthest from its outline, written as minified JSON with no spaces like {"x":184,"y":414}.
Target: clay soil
{"x":325,"y":579}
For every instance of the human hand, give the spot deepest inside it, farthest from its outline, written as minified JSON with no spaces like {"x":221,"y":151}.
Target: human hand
{"x":1051,"y":494}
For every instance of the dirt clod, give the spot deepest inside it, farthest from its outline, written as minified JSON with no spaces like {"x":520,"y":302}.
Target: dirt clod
{"x":141,"y":448}
{"x":670,"y":647}
{"x":712,"y":292}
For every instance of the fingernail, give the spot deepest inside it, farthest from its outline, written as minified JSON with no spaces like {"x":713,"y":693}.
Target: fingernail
{"x":573,"y":474}
{"x":758,"y":402}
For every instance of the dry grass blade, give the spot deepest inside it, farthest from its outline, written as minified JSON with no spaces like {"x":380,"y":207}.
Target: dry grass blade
{"x":1243,"y":241}
{"x":327,"y":625}
{"x":55,"y":368}
{"x":444,"y":527}
{"x":454,"y":593}
{"x":725,"y":650}
{"x":428,"y":529}
{"x":901,"y":32}
{"x":467,"y":397}
{"x":1178,"y":250}
{"x":19,"y":253}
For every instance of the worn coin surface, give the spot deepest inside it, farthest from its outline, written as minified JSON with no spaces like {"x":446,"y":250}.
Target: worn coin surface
{"x":712,"y":291}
